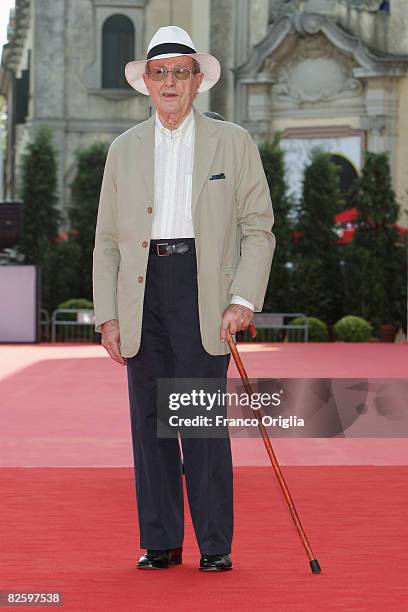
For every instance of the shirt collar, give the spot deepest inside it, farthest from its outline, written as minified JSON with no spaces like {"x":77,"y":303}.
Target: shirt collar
{"x":179,"y":132}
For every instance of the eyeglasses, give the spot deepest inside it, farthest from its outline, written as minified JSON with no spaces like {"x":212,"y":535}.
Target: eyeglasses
{"x":180,"y":73}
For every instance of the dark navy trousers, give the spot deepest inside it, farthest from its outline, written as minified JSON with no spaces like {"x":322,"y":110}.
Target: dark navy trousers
{"x":171,"y":348}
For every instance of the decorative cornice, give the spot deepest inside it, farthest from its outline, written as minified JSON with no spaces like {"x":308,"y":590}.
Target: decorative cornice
{"x":16,"y":33}
{"x":330,"y":131}
{"x":374,"y":63}
{"x":371,"y":6}
{"x":316,"y":72}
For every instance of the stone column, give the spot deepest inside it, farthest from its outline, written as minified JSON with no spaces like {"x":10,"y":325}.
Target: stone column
{"x":259,"y":108}
{"x":380,"y":121}
{"x":222,"y":44}
{"x":49,"y":77}
{"x":200,"y":34}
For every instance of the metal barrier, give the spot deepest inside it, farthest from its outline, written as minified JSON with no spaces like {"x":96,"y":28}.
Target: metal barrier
{"x":45,"y":325}
{"x":78,"y":325}
{"x":73,"y":325}
{"x":276,"y":327}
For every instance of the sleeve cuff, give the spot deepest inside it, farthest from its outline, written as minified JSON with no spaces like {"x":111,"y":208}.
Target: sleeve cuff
{"x":236,"y":299}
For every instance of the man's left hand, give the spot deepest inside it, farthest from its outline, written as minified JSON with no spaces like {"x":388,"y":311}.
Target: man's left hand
{"x":235,"y":317}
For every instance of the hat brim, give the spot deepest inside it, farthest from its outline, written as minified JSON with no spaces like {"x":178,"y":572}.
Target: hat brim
{"x":209,"y":66}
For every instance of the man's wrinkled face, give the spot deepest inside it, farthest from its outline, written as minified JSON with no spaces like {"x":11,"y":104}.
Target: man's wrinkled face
{"x":171,"y":96}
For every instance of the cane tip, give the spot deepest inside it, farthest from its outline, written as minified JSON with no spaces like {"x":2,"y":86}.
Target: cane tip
{"x":314,"y":564}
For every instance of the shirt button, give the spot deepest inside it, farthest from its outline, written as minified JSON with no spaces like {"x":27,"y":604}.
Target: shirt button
{"x":140,"y":279}
{"x":150,"y":210}
{"x":144,"y":244}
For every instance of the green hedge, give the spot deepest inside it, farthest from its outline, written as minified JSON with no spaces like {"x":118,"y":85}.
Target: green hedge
{"x":352,"y":329}
{"x":75,"y":304}
{"x":317,"y":330}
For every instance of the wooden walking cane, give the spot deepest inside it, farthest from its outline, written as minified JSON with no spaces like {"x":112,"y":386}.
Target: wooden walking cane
{"x":314,"y":564}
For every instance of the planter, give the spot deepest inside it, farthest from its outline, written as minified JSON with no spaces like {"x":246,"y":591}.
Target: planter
{"x":388,"y":333}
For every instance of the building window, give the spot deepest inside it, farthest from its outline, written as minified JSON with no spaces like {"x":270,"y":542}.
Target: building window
{"x":385,"y":6}
{"x":22,"y":93}
{"x":118,"y":47}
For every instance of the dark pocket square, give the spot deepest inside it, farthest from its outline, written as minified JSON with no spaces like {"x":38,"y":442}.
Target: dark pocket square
{"x":216,"y":177}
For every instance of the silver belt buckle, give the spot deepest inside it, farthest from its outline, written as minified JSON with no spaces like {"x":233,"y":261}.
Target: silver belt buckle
{"x":159,"y":244}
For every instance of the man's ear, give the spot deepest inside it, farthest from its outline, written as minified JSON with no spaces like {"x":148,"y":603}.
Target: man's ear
{"x":145,"y":79}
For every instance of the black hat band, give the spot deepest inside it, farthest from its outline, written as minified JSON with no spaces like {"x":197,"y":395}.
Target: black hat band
{"x":169,"y":48}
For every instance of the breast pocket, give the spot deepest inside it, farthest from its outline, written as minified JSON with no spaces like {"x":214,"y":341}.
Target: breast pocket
{"x":219,"y":189}
{"x":217,"y":182}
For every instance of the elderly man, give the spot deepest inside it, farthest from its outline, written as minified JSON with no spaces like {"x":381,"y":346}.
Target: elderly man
{"x":183,"y":250}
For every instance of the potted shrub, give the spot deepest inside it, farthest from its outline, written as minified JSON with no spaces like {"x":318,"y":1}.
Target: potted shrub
{"x":387,"y":332}
{"x":352,"y":329}
{"x":375,"y":260}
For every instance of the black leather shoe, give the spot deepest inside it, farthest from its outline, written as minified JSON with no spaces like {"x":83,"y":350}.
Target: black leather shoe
{"x":215,"y":563}
{"x":160,"y":559}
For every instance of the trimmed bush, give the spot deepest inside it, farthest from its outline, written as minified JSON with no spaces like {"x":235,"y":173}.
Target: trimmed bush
{"x":65,"y":271}
{"x":38,"y":191}
{"x":82,"y":213}
{"x":352,"y":329}
{"x":278,"y":296}
{"x":75,"y":304}
{"x":375,"y":262}
{"x":317,"y":329}
{"x":317,"y":281}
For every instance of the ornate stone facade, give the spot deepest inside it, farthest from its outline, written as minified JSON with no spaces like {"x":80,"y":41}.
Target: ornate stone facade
{"x":58,"y":45}
{"x":365,"y":5}
{"x":327,"y":72}
{"x":316,"y":72}
{"x":308,"y":74}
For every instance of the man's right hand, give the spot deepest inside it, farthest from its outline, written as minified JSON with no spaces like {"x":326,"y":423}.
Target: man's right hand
{"x":111,"y":340}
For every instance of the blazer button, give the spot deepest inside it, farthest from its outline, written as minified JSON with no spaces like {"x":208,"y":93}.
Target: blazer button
{"x":140,"y":279}
{"x":150,"y":210}
{"x":144,"y":244}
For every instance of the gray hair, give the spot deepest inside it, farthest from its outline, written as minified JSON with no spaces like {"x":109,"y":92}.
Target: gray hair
{"x":196,"y":65}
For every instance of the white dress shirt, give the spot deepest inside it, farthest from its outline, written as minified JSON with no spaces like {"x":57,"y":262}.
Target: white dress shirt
{"x":173,"y":179}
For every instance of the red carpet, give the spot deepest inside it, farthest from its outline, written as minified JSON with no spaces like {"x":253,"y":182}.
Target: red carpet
{"x":68,"y":511}
{"x":74,"y":530}
{"x":67,"y":405}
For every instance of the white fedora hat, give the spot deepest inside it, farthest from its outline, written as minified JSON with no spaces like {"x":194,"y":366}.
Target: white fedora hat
{"x":172,"y":41}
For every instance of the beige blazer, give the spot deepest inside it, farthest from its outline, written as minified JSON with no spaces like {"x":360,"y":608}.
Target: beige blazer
{"x":232,"y":220}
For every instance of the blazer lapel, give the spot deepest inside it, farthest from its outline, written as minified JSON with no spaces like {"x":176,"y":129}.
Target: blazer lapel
{"x":205,"y":145}
{"x":145,"y":154}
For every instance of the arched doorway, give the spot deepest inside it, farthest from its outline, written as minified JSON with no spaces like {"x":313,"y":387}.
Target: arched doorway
{"x":348,"y":179}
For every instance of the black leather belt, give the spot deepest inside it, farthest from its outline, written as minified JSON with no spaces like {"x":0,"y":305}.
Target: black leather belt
{"x":164,"y":249}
